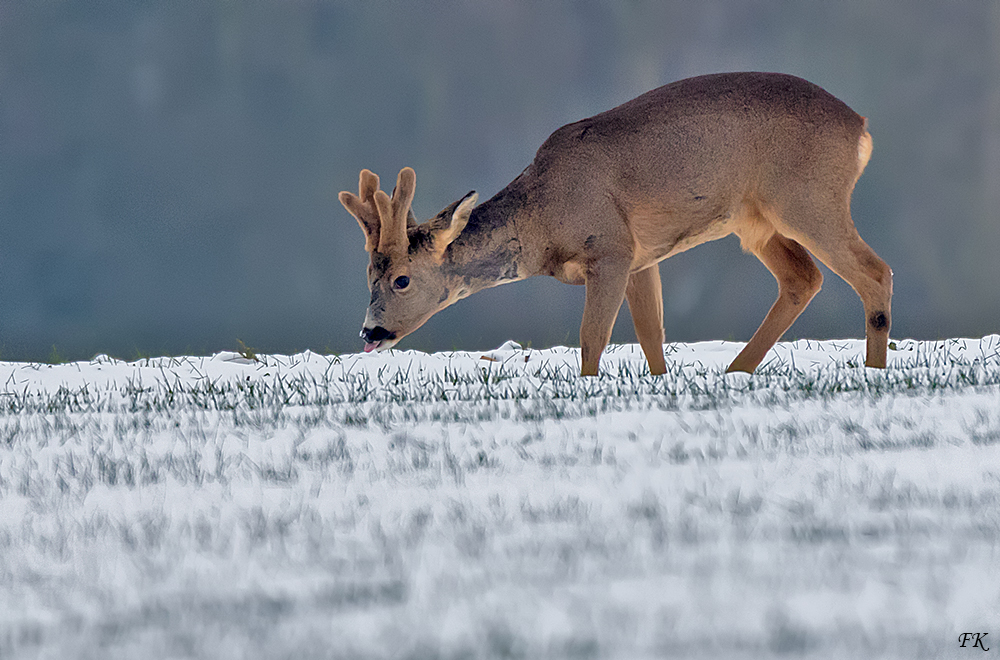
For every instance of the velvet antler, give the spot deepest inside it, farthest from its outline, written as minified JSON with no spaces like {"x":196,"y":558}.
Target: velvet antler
{"x":362,"y":207}
{"x":395,"y":213}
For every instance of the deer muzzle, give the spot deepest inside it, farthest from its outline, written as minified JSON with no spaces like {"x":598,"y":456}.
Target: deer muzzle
{"x":376,"y":338}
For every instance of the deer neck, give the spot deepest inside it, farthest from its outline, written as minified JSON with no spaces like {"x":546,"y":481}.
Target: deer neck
{"x":489,"y":250}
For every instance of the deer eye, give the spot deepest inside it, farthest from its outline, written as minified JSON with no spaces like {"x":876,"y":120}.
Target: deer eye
{"x":401,"y":282}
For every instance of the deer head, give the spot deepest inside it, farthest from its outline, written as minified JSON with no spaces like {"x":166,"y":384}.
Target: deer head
{"x":405,"y":276}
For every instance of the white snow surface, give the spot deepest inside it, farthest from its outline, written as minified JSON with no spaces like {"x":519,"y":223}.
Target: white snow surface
{"x":495,"y":505}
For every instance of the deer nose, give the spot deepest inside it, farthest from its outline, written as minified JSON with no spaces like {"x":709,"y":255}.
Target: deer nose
{"x":376,"y":334}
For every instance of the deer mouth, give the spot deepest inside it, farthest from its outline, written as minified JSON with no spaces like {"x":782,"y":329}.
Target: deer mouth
{"x":378,"y":346}
{"x":378,"y":339}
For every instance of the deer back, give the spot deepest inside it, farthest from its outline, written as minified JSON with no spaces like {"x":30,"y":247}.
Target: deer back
{"x":694,"y":161}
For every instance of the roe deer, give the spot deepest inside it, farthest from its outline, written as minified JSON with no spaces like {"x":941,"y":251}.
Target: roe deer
{"x":769,"y":157}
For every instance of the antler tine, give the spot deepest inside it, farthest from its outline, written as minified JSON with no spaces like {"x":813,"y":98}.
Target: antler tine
{"x":402,"y":195}
{"x":395,"y":213}
{"x":367,"y":185}
{"x":362,"y":207}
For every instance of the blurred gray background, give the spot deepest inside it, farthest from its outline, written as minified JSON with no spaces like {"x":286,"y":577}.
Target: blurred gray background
{"x":169,"y":170}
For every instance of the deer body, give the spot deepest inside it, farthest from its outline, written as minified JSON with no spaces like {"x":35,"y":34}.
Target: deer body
{"x":769,"y":157}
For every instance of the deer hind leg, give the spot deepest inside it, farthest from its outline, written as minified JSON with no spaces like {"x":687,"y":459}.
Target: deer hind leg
{"x":644,"y":294}
{"x":830,"y":235}
{"x":798,"y":282}
{"x":606,"y":280}
{"x":871,"y":278}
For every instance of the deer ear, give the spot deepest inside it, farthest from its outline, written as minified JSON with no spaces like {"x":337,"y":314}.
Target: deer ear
{"x":450,"y":222}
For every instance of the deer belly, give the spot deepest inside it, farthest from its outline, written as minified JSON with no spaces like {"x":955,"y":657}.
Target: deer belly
{"x":657,"y":237}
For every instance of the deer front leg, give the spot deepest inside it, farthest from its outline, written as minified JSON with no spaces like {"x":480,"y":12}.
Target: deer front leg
{"x":645,"y":301}
{"x":606,"y":280}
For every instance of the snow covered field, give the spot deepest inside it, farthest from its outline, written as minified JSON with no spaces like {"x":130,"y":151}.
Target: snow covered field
{"x":495,"y":505}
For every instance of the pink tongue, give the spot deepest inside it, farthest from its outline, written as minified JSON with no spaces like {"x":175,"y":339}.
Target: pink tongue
{"x":369,"y":346}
